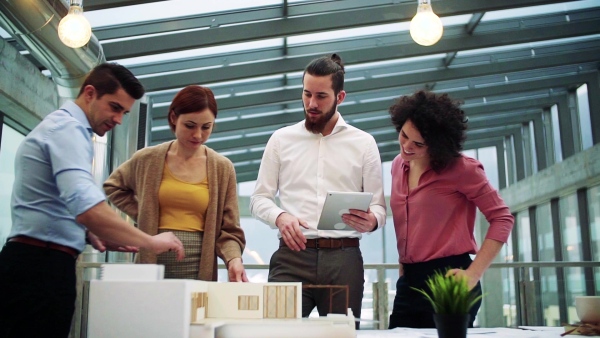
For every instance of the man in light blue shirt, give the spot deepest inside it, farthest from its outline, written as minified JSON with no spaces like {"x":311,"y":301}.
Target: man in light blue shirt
{"x":55,"y":202}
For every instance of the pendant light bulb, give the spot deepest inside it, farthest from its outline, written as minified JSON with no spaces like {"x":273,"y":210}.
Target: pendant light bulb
{"x":426,"y":28}
{"x":74,"y":30}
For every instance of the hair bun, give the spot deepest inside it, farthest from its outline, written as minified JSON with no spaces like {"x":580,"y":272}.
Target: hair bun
{"x":337,"y":59}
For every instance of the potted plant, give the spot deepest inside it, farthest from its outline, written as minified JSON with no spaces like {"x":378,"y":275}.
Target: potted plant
{"x":451,"y":300}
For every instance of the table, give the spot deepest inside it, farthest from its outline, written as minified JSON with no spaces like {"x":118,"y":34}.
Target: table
{"x":522,"y":332}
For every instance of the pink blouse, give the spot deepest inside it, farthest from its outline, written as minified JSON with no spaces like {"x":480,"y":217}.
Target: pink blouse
{"x":437,"y":218}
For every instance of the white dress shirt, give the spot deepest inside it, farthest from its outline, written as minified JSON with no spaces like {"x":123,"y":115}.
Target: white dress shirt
{"x":302,"y":167}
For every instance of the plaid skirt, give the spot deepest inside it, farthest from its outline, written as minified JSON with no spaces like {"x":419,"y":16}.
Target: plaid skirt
{"x":187,"y":268}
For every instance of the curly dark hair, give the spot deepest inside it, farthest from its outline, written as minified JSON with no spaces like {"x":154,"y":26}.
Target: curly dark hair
{"x":440,"y":121}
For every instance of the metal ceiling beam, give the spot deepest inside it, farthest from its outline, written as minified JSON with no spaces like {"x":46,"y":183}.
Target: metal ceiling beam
{"x":216,"y":19}
{"x":492,"y":121}
{"x":277,"y":28}
{"x":362,"y":45}
{"x":245,"y":177}
{"x":474,"y":22}
{"x":496,"y":107}
{"x":417,"y":80}
{"x":389,"y":134}
{"x":93,"y":5}
{"x":409,"y":49}
{"x":261,"y":30}
{"x":498,"y":131}
{"x":483,"y":143}
{"x":523,"y":88}
{"x":247,"y":156}
{"x":248,"y":167}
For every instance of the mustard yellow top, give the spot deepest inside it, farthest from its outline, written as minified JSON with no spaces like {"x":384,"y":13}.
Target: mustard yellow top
{"x":133,"y":188}
{"x":182,"y":204}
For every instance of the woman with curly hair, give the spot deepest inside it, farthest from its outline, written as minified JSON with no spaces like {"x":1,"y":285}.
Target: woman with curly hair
{"x":435,"y":193}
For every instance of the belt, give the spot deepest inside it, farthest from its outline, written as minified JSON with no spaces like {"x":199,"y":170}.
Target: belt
{"x":42,"y":244}
{"x":332,"y":243}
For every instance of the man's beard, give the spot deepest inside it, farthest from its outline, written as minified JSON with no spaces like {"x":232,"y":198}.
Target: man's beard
{"x":318,"y":126}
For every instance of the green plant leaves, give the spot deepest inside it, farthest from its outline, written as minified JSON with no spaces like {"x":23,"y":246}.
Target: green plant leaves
{"x":449,"y":295}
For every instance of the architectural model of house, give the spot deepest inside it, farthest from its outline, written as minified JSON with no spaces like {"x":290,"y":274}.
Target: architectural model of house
{"x":132,"y":300}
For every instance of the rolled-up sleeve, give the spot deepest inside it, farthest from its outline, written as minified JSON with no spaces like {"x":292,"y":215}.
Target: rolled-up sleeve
{"x":477,"y":188}
{"x":72,"y":158}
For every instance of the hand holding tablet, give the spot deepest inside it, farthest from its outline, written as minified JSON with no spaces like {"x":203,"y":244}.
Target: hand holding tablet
{"x":339,"y":203}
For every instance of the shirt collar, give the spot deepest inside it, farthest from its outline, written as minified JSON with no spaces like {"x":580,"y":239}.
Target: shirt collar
{"x":74,"y":110}
{"x":405,"y":165}
{"x":339,"y":125}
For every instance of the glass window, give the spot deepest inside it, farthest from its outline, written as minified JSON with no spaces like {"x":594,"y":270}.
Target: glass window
{"x":261,"y":243}
{"x":548,"y":281}
{"x":390,"y":256}
{"x":508,"y":289}
{"x":261,"y":240}
{"x":10,"y":142}
{"x":571,"y":250}
{"x":470,"y":152}
{"x":487,"y":157}
{"x":387,"y":177}
{"x":585,"y":124}
{"x":593,"y":197}
{"x":524,"y":237}
{"x":534,"y":150}
{"x":556,"y":134}
{"x":246,"y":189}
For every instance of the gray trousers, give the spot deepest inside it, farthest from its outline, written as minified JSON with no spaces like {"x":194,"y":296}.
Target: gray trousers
{"x":342,"y":266}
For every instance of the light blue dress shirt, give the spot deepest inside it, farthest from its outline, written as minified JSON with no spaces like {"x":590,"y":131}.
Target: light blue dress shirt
{"x":53,"y":179}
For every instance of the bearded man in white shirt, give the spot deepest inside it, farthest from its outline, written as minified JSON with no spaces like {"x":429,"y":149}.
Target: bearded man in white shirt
{"x":301,"y":163}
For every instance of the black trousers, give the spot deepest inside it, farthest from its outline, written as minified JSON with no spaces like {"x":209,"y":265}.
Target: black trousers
{"x":37,"y":292}
{"x":412,"y":309}
{"x":342,"y":266}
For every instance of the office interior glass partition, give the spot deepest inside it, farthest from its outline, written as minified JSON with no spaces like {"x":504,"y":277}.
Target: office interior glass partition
{"x":585,"y":123}
{"x":523,"y":229}
{"x":509,"y":293}
{"x":571,"y":250}
{"x":593,"y":197}
{"x":548,"y":283}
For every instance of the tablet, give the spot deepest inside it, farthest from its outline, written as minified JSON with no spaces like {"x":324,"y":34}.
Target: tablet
{"x":338,"y":203}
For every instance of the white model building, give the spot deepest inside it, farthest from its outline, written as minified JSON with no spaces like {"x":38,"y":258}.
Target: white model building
{"x":133,"y":300}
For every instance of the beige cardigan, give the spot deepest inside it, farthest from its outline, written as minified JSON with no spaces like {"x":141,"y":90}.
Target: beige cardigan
{"x":133,"y":188}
